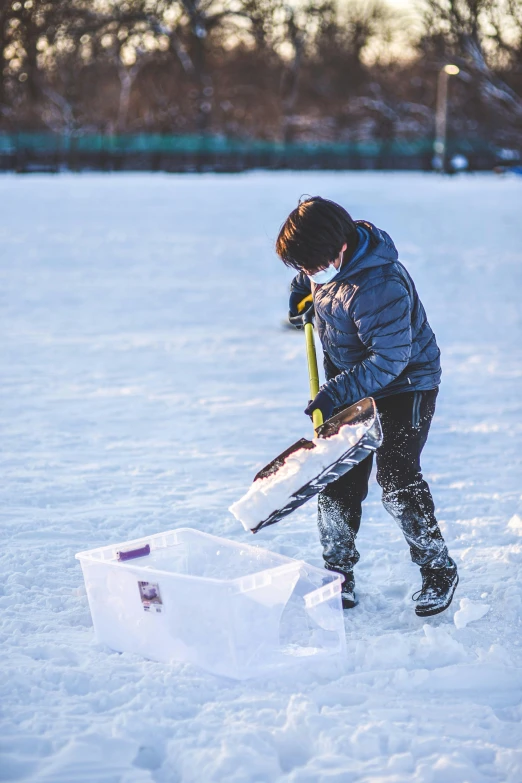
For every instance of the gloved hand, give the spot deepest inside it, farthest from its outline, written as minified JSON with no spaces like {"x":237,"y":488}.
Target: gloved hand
{"x":299,"y":308}
{"x":324,"y":402}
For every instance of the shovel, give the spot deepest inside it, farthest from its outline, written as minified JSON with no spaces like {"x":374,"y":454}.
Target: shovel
{"x":308,"y":466}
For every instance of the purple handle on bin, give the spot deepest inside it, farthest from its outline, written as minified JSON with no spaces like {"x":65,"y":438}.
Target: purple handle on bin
{"x":132,"y":553}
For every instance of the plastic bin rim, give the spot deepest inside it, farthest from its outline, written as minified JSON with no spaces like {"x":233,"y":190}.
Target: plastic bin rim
{"x":290,"y":564}
{"x":135,"y":542}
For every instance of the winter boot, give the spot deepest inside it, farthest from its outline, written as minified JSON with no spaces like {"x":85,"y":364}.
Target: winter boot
{"x":438,"y":586}
{"x":348,"y":588}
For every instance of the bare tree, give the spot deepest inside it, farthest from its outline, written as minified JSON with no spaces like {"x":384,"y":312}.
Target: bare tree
{"x":190,"y":34}
{"x":301,"y":25}
{"x":462,"y":26}
{"x":340,"y":44}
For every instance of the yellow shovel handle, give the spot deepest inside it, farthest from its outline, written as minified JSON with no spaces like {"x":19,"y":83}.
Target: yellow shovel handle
{"x":302,"y":304}
{"x":313,"y":372}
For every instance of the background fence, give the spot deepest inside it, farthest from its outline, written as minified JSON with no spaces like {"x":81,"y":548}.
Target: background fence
{"x":26,"y":152}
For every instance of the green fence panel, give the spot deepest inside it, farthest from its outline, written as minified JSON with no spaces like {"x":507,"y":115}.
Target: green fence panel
{"x":61,"y":145}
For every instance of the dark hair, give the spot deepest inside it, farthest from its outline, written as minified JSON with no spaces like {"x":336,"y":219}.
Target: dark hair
{"x":313,"y":234}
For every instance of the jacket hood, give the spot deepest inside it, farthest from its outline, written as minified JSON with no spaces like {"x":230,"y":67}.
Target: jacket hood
{"x":375,"y":248}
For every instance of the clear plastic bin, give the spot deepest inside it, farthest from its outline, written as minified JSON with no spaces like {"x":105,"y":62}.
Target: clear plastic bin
{"x":230,"y":608}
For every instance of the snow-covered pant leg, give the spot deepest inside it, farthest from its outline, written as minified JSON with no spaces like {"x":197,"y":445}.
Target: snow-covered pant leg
{"x":340,"y":509}
{"x":406,"y":420}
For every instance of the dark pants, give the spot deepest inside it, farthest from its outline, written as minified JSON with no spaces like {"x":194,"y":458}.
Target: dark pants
{"x":405,"y":420}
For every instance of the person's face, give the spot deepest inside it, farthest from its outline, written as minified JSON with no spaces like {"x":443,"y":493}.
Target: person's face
{"x":336,"y":262}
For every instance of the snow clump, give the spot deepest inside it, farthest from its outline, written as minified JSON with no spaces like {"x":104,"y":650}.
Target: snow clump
{"x":272,"y":493}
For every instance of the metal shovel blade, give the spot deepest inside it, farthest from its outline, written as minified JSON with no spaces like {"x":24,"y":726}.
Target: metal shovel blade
{"x":363,"y":413}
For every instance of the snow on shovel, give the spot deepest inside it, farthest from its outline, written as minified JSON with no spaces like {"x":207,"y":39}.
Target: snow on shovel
{"x":308,"y":466}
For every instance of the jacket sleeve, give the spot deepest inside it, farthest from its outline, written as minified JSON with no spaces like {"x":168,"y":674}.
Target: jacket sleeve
{"x":382,"y":316}
{"x":301,"y":285}
{"x":300,"y":288}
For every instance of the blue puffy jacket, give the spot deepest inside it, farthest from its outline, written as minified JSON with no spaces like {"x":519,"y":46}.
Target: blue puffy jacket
{"x":373,"y":328}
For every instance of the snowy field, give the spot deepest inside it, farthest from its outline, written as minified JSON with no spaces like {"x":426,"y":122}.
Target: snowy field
{"x":146,"y":377}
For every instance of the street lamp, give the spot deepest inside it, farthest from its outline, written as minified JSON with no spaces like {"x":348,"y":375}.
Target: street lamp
{"x":439,"y":146}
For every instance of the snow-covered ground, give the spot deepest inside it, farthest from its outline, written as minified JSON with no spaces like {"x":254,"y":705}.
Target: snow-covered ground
{"x":146,"y":377}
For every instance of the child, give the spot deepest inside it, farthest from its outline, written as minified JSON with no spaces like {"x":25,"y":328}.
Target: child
{"x":377,"y":342}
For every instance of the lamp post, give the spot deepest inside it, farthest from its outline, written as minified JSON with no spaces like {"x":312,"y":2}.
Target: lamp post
{"x":441,"y":116}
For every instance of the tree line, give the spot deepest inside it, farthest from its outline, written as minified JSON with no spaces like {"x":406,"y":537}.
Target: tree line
{"x":286,"y":70}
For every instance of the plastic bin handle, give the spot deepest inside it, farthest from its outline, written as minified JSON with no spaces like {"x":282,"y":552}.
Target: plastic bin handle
{"x":132,"y":553}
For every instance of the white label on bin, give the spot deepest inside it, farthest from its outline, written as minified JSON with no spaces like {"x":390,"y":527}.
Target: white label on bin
{"x":150,"y":597}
